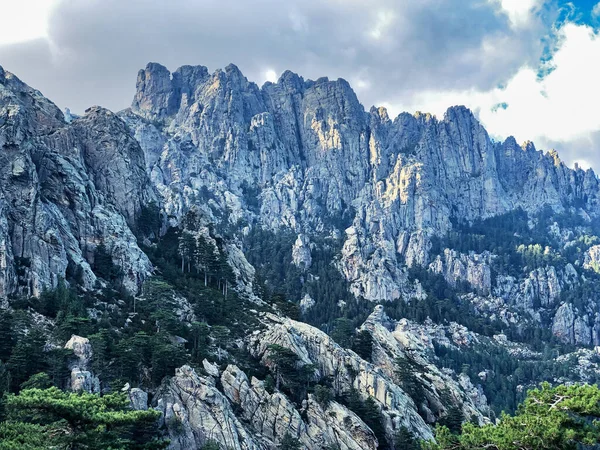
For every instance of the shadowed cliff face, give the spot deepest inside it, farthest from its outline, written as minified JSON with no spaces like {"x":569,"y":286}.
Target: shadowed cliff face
{"x":65,"y":188}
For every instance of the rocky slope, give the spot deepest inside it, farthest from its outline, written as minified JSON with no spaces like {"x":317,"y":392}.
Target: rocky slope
{"x":66,"y":188}
{"x":303,"y":157}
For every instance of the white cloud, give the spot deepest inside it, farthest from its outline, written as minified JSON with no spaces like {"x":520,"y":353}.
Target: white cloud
{"x":384,"y":20}
{"x":519,"y":12}
{"x":271,"y":75}
{"x":24,"y":20}
{"x":596,"y":10}
{"x":561,"y":107}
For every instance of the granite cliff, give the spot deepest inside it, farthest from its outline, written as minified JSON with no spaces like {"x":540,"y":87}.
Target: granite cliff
{"x":402,"y":208}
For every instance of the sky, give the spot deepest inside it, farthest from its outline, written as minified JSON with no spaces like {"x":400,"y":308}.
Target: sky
{"x":526,"y":68}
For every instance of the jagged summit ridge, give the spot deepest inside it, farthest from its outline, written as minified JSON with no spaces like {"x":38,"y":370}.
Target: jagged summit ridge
{"x":316,"y":160}
{"x":157,"y":82}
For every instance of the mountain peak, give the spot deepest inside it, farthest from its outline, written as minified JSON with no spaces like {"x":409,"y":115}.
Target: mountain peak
{"x":459,"y":112}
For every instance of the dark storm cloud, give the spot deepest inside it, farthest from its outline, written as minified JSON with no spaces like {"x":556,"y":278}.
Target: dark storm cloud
{"x":388,"y":49}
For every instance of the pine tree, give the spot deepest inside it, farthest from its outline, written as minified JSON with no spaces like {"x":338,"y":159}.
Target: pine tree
{"x":27,"y":357}
{"x":199,"y":340}
{"x":56,"y":365}
{"x":453,"y":419}
{"x":38,"y":381}
{"x":290,"y":443}
{"x":6,"y":335}
{"x":363,"y":345}
{"x":406,"y":370}
{"x":404,"y":440}
{"x":559,"y":418}
{"x":343,"y":332}
{"x":186,"y":247}
{"x":221,"y":337}
{"x":52,"y":418}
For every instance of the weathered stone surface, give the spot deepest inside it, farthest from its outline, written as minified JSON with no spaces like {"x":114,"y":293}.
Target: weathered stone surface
{"x":472,"y":268}
{"x":138,"y":399}
{"x":345,"y":369}
{"x":301,"y":252}
{"x":592,"y":258}
{"x":392,"y":340}
{"x":273,"y":415}
{"x":81,"y":379}
{"x":306,"y":303}
{"x":82,"y":350}
{"x":70,"y":187}
{"x":576,"y":327}
{"x":211,"y":368}
{"x":316,"y":160}
{"x":302,"y":155}
{"x":194,"y":411}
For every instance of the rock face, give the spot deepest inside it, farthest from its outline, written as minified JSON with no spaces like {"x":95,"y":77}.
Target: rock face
{"x":138,"y":398}
{"x":194,"y":412}
{"x":473,"y":268}
{"x":301,"y":252}
{"x":273,"y":415}
{"x":592,"y":258}
{"x":306,"y":303}
{"x":316,"y":160}
{"x":403,"y":340}
{"x":197,"y":409}
{"x":297,"y":153}
{"x":344,"y":368}
{"x":65,"y":188}
{"x":302,"y":157}
{"x":81,"y":378}
{"x":576,"y":327}
{"x":541,"y":288}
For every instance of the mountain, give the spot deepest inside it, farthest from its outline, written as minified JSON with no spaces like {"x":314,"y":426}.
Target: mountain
{"x":278,"y":263}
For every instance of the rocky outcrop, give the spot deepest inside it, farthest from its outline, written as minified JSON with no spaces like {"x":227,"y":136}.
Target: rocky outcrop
{"x":81,"y":379}
{"x":137,"y":397}
{"x":273,"y":416}
{"x":302,"y":155}
{"x":64,"y":196}
{"x":306,"y":303}
{"x":301,"y":257}
{"x":316,"y":160}
{"x":591,"y":259}
{"x":575,"y":327}
{"x":375,"y":273}
{"x":404,"y":340}
{"x":344,"y":368}
{"x":540,"y":289}
{"x":473,"y":269}
{"x":113,"y":158}
{"x":194,"y":412}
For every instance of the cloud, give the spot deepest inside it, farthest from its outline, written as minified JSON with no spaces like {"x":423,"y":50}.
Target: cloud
{"x":519,"y":12}
{"x":403,"y":54}
{"x":392,"y":48}
{"x":24,"y":20}
{"x":559,"y":109}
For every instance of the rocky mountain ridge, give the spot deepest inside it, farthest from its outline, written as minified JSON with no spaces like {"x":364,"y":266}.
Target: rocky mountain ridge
{"x":400,"y":208}
{"x":306,"y":155}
